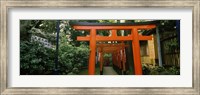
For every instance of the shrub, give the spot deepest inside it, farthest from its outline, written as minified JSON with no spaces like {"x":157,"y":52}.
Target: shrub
{"x":35,"y":59}
{"x":157,"y":70}
{"x":72,"y":58}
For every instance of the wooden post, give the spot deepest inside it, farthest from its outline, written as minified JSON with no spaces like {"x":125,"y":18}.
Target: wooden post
{"x":136,"y":52}
{"x":159,"y":47}
{"x":178,"y":31}
{"x":114,"y":33}
{"x":113,"y":58}
{"x":123,"y":60}
{"x":101,"y":63}
{"x":119,"y":60}
{"x":91,"y":65}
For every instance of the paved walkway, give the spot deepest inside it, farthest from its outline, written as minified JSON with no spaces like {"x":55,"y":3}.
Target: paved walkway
{"x":109,"y":71}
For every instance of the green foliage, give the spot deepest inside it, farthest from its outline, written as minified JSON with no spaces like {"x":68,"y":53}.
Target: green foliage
{"x":41,"y":28}
{"x":72,"y":39}
{"x":107,"y":55}
{"x":47,"y":30}
{"x":48,"y":26}
{"x":35,"y":59}
{"x":72,"y":58}
{"x":171,"y":46}
{"x":25,"y":27}
{"x":107,"y":21}
{"x":167,"y":25}
{"x":157,"y":70}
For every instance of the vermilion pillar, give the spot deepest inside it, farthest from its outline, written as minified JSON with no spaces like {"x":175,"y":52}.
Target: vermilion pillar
{"x":119,"y":59}
{"x":114,"y":58}
{"x":101,"y":63}
{"x":113,"y":61}
{"x":136,"y":52}
{"x":123,"y":60}
{"x":91,"y":65}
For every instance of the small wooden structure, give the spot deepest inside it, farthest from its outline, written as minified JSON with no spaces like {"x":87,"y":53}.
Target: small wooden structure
{"x":134,"y":37}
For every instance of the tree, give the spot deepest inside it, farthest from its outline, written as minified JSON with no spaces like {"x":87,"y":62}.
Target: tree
{"x":34,"y":57}
{"x":25,"y":27}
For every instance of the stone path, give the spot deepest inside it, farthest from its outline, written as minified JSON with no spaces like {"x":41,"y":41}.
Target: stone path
{"x":109,"y":71}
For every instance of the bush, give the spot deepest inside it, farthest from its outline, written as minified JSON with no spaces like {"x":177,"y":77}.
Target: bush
{"x":72,"y":58}
{"x":35,"y":59}
{"x":157,"y":70}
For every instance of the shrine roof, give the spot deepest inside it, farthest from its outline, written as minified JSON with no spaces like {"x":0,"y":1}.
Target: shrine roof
{"x":112,"y":24}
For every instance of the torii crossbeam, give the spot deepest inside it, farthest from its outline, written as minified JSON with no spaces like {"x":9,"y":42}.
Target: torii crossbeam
{"x":134,"y":37}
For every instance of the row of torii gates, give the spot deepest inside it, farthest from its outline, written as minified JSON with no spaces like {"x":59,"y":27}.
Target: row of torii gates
{"x":117,"y":50}
{"x":118,"y":55}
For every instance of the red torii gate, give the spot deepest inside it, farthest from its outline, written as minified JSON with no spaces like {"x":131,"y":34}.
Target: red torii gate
{"x":118,"y":49}
{"x":134,"y":37}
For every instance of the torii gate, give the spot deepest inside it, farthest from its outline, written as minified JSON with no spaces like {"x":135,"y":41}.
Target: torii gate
{"x":118,"y":48}
{"x":134,"y":37}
